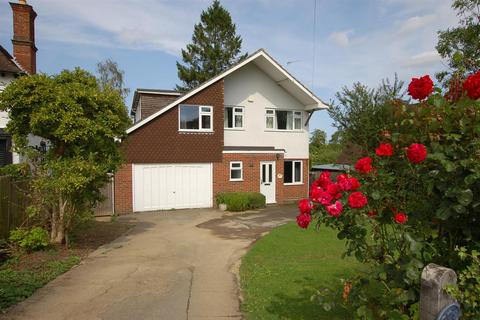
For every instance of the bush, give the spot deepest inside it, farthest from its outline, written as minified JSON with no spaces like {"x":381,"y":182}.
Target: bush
{"x":241,"y":201}
{"x":467,"y":291}
{"x":411,"y":202}
{"x":30,"y":240}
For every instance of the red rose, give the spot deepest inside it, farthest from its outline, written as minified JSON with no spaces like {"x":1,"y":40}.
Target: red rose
{"x":416,"y":153}
{"x":372,"y":214}
{"x":334,"y":209}
{"x":472,"y":86}
{"x":400,"y":218}
{"x":355,"y":184}
{"x":317,"y":194}
{"x":420,"y":88}
{"x":305,"y":206}
{"x":347,"y":183}
{"x":364,"y":165}
{"x":357,"y":200}
{"x":324,"y":179}
{"x":303,"y":220}
{"x":384,"y":149}
{"x":334,"y":190}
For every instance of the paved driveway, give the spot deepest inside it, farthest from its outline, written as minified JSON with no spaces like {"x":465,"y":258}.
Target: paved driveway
{"x":172,"y":265}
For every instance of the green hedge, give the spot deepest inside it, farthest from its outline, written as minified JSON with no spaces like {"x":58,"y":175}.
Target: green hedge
{"x":241,"y":201}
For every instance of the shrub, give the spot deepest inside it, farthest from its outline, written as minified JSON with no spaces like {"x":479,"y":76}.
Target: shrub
{"x":467,"y":291}
{"x":30,"y":240}
{"x":411,"y":202}
{"x":241,"y":201}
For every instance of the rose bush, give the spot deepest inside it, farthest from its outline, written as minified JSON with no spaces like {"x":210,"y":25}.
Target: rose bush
{"x":412,"y":201}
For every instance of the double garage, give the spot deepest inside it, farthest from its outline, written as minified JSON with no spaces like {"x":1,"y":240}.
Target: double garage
{"x":172,"y":186}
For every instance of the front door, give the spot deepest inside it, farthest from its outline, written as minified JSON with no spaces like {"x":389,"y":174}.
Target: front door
{"x":267,"y":180}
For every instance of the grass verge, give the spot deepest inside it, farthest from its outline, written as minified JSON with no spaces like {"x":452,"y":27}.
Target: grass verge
{"x":17,"y":285}
{"x":285,"y":268}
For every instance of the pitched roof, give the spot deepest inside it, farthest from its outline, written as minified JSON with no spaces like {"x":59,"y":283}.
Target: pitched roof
{"x":266,"y":63}
{"x":139,"y":91}
{"x":7,"y":62}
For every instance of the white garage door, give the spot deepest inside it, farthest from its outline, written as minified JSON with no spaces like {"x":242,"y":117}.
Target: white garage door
{"x":172,"y":186}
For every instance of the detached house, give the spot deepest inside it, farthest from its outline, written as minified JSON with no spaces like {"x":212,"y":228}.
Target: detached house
{"x":244,"y":130}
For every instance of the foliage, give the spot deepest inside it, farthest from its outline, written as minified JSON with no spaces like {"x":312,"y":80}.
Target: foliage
{"x":18,"y":170}
{"x":461,"y":45}
{"x":110,"y":76}
{"x":327,"y":153}
{"x":283,"y":270}
{"x":360,"y":113}
{"x":215,"y":47}
{"x":82,"y":126}
{"x":418,"y":210}
{"x":467,"y":290}
{"x":241,"y":201}
{"x":318,"y":138}
{"x":16,"y":286}
{"x":30,"y":240}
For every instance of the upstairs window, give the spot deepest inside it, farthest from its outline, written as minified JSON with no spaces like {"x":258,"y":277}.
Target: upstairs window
{"x":195,"y":118}
{"x":283,"y":120}
{"x":233,"y":118}
{"x":292,"y":172}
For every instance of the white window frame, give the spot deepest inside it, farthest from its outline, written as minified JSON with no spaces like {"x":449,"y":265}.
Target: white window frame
{"x":200,"y":114}
{"x":235,"y":113}
{"x":272,"y":113}
{"x":293,"y":172}
{"x":236,"y":168}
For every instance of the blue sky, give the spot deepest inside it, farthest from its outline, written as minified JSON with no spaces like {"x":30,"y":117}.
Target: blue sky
{"x":356,"y":40}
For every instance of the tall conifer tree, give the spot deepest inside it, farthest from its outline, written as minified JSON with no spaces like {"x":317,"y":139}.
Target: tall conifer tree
{"x":215,"y":47}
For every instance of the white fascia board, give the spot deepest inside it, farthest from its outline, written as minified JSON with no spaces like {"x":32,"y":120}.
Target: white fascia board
{"x":193,"y":92}
{"x":160,"y":92}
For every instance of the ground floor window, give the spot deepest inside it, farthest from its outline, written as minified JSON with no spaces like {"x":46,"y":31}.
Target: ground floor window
{"x":292,"y":172}
{"x":236,"y":171}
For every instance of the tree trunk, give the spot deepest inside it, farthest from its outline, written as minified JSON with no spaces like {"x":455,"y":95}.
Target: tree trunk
{"x":57,"y":235}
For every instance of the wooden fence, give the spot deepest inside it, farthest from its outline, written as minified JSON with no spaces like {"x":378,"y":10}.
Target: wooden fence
{"x":13,"y":202}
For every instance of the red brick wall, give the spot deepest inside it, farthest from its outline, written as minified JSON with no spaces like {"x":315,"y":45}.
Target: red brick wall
{"x":24,"y":49}
{"x":123,"y":191}
{"x":251,"y":176}
{"x":159,"y":141}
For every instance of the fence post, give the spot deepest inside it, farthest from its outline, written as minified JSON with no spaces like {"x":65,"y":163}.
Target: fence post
{"x":433,"y":298}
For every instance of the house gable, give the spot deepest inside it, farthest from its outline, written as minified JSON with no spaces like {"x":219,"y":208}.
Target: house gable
{"x":160,"y":141}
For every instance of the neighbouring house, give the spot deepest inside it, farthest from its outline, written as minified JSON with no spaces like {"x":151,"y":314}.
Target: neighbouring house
{"x":23,"y":61}
{"x":244,"y":130}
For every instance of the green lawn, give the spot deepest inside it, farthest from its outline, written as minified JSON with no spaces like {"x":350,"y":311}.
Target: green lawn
{"x":285,"y":268}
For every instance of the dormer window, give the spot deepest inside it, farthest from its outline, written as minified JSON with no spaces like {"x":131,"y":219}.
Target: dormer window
{"x":288,"y":120}
{"x":195,"y":118}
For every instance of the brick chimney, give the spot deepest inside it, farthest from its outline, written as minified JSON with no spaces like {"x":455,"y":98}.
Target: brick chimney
{"x":24,"y":49}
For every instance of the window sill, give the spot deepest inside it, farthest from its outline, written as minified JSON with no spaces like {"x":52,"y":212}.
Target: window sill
{"x":234,"y":129}
{"x":293,"y":184}
{"x":236,"y":180}
{"x":197,"y":131}
{"x":289,"y":131}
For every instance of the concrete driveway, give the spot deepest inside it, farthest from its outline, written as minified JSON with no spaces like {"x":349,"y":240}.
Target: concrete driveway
{"x":171,"y":265}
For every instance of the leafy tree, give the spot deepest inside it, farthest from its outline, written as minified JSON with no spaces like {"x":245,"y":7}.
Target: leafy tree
{"x":82,"y":125}
{"x":318,"y":138}
{"x":361,"y":113}
{"x":461,"y":45}
{"x":215,"y":47}
{"x":336,"y":137}
{"x":111,"y":76}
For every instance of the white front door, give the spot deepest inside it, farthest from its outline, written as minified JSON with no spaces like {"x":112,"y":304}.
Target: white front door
{"x":172,"y":186}
{"x":267,"y":180}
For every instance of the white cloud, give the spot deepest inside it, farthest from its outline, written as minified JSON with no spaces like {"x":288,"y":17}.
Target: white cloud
{"x":423,"y":60}
{"x":417,"y":22}
{"x":340,"y":38}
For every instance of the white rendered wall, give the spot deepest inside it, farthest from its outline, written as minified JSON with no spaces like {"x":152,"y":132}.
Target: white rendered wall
{"x":256,"y":91}
{"x":4,"y":80}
